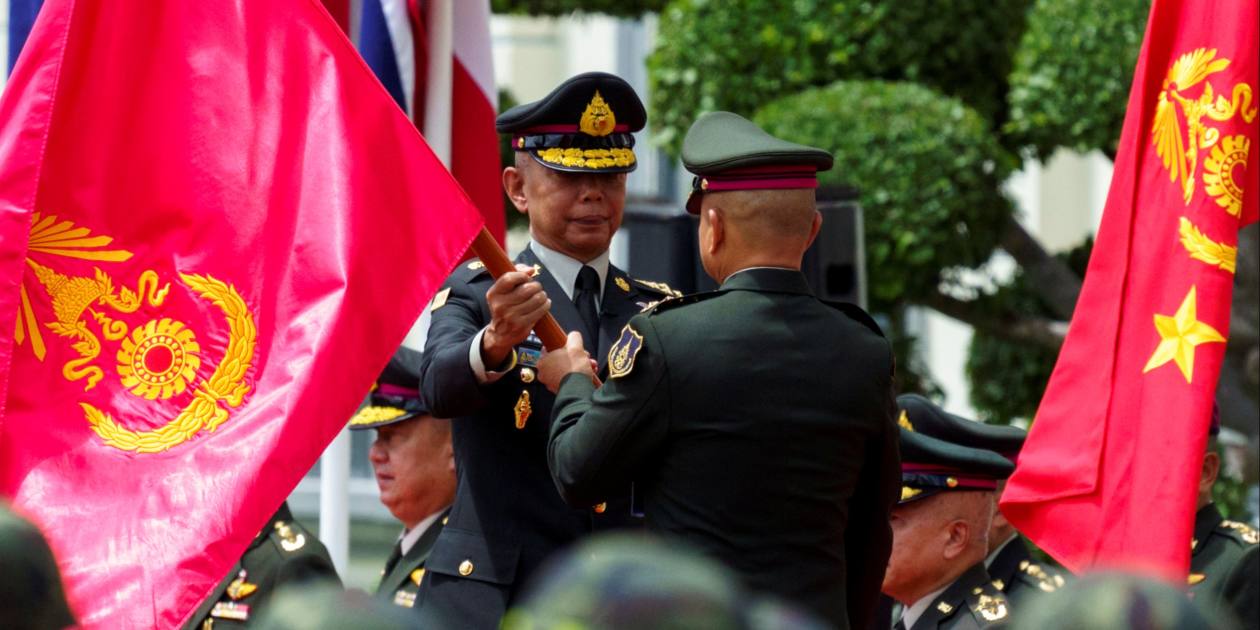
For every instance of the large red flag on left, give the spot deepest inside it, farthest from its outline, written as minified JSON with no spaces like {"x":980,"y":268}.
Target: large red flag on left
{"x":217,"y":227}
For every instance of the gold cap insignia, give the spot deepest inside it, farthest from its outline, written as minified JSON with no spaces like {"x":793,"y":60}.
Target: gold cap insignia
{"x":903,"y":421}
{"x":598,"y":118}
{"x":908,"y":493}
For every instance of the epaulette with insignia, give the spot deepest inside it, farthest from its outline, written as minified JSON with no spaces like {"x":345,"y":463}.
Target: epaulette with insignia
{"x":287,"y":537}
{"x":857,"y":313}
{"x":988,"y":605}
{"x":675,"y":302}
{"x":1040,"y":577}
{"x":469,"y":271}
{"x":1242,"y":531}
{"x":658,"y":287}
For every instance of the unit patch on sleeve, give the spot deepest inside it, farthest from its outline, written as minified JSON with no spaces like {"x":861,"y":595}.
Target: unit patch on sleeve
{"x":621,"y":355}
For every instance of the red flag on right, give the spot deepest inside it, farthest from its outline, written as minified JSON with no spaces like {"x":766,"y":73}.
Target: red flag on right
{"x":1109,"y":474}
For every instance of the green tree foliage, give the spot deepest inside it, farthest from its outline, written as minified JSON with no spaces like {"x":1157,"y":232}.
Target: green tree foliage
{"x":619,"y":8}
{"x":1072,"y":71}
{"x":928,"y":169}
{"x":736,"y":55}
{"x":1008,"y":378}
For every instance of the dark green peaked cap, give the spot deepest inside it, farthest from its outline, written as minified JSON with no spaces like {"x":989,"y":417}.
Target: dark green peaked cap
{"x":728,"y":152}
{"x":929,"y":419}
{"x":929,"y":466}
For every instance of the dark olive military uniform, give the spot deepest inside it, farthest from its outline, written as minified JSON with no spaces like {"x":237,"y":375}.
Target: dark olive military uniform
{"x":401,"y":577}
{"x":1015,"y":572}
{"x":758,"y":423}
{"x":282,"y":554}
{"x":1218,"y":548}
{"x":970,"y":603}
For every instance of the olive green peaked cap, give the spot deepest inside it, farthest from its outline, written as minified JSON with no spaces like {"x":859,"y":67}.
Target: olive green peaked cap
{"x":728,"y":152}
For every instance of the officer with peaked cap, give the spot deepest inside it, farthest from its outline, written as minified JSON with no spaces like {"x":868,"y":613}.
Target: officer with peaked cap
{"x":1009,"y":561}
{"x":415,"y":472}
{"x":574,"y":148}
{"x":940,"y":535}
{"x":283,"y":554}
{"x":756,"y":420}
{"x":1222,"y":572}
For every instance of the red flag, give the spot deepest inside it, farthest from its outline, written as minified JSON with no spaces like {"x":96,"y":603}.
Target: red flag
{"x":226,"y":227}
{"x":1110,"y":471}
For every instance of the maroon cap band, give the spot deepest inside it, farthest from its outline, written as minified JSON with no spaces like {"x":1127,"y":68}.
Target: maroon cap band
{"x":397,"y":391}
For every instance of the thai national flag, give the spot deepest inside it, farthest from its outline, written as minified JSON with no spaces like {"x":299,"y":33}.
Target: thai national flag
{"x":21,"y":17}
{"x":393,"y":38}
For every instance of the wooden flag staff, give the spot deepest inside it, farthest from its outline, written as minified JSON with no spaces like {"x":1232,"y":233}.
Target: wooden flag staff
{"x":498,"y":263}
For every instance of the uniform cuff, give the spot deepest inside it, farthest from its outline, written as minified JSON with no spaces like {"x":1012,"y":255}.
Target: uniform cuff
{"x":485,"y":376}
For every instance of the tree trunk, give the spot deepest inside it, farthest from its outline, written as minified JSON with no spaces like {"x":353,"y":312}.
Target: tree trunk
{"x":1057,"y":284}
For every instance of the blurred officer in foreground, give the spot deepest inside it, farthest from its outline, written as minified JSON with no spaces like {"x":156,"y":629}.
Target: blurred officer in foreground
{"x":1008,"y":560}
{"x":31,"y":594}
{"x":1112,"y":601}
{"x":624,"y":582}
{"x":940,"y":536}
{"x":283,"y":554}
{"x":573,"y":150}
{"x":756,"y":420}
{"x":327,"y":608}
{"x":1223,"y":575}
{"x":415,"y":472}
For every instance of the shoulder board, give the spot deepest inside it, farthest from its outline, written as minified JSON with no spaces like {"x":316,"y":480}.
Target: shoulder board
{"x":659,"y":288}
{"x":857,"y":314}
{"x":988,"y":605}
{"x":1041,"y":578}
{"x":675,"y":302}
{"x":469,"y":271}
{"x":288,"y":536}
{"x":1241,"y":531}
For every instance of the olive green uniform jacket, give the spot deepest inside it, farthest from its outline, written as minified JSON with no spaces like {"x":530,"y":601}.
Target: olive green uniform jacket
{"x":1223,"y":569}
{"x":970,"y":603}
{"x":282,"y":554}
{"x":400,"y":583}
{"x":1021,"y":578}
{"x":756,"y":422}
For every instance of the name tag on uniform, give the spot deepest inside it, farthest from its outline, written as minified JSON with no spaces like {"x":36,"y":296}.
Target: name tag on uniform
{"x":528,"y":357}
{"x":405,"y":599}
{"x":230,"y":610}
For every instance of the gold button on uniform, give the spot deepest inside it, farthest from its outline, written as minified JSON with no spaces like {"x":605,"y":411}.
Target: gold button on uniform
{"x":599,"y":509}
{"x":466,"y":568}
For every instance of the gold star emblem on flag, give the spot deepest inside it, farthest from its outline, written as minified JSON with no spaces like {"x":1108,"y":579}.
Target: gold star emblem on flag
{"x":1179,"y":335}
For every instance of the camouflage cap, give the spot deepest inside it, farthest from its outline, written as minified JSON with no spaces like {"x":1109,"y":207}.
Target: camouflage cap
{"x":1107,"y":601}
{"x":625,"y":581}
{"x":31,"y":594}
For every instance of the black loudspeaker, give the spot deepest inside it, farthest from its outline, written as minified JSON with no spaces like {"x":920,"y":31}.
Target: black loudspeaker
{"x":662,"y":241}
{"x":835,"y":264}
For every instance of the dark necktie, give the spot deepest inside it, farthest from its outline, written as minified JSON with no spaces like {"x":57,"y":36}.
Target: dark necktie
{"x":394,"y":557}
{"x":585,"y":296}
{"x":901,"y":625}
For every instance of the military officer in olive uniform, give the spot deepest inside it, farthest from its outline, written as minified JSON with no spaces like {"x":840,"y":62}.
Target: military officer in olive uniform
{"x":940,"y":536}
{"x":1220,"y":547}
{"x":415,"y":472}
{"x":573,"y":151}
{"x":756,"y":420}
{"x":283,"y":554}
{"x":1009,"y":560}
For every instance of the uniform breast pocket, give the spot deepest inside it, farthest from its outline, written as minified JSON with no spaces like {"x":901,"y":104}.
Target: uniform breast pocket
{"x":465,"y":554}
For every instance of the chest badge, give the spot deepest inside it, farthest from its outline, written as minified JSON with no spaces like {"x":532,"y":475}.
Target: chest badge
{"x":240,"y":588}
{"x":522,"y":409}
{"x":621,"y":355}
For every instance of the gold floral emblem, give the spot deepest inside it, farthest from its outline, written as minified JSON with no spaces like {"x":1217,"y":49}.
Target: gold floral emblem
{"x":158,"y":359}
{"x":598,"y":118}
{"x":1180,"y":150}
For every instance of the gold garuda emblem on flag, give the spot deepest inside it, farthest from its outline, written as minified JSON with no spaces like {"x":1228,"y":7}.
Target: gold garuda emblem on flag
{"x":157,"y":358}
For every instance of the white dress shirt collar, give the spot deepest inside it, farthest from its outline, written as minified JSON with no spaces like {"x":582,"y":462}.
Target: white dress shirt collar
{"x":411,"y":536}
{"x":916,"y":610}
{"x":565,"y":269}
